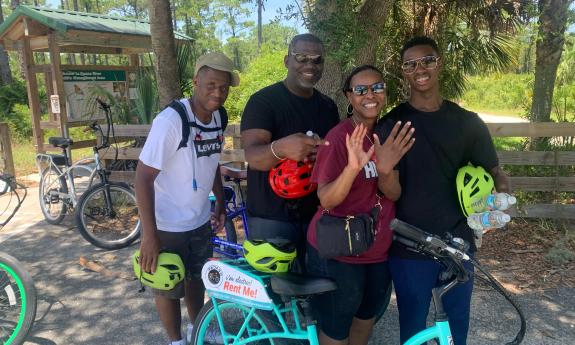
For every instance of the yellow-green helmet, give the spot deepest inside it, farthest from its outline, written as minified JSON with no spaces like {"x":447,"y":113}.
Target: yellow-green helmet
{"x":269,"y":257}
{"x":169,"y":271}
{"x":472,"y":183}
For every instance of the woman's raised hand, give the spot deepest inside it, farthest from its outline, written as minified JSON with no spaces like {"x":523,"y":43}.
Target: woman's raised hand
{"x":394,"y":147}
{"x":356,"y":156}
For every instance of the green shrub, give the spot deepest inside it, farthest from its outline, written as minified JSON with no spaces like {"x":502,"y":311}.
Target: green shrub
{"x":264,"y":70}
{"x":499,"y":93}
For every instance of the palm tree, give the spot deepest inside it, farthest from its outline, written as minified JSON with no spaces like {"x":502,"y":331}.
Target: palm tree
{"x":549,"y":46}
{"x":472,"y":34}
{"x":163,"y":45}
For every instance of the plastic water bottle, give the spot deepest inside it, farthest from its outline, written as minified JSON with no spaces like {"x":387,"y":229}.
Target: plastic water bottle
{"x":492,"y":202}
{"x":488,"y":219}
{"x":479,"y":222}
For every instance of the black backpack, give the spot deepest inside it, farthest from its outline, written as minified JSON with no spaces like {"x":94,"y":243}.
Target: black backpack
{"x":186,"y":124}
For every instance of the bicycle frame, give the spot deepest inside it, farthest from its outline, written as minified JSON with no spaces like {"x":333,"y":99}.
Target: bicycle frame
{"x":233,"y":210}
{"x":258,"y":300}
{"x":440,"y":331}
{"x":46,"y":161}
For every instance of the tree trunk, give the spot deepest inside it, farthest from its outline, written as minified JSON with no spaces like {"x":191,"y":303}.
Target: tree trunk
{"x":549,"y":46}
{"x":5,"y":72}
{"x":260,"y":4}
{"x":164,"y":47}
{"x":334,"y":74}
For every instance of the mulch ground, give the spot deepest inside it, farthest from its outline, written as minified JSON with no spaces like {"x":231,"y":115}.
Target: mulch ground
{"x":531,"y":255}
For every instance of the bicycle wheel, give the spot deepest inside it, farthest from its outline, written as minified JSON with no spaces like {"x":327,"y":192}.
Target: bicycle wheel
{"x":107,"y":226}
{"x":207,"y":330}
{"x":51,"y":188}
{"x":17,"y":301}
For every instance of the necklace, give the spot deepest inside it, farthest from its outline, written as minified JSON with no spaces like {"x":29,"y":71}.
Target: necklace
{"x":355,"y":125}
{"x":366,"y":136}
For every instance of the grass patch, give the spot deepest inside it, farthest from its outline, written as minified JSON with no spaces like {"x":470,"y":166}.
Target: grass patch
{"x":24,"y":154}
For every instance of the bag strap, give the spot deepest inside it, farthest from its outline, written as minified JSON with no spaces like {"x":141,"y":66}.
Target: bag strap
{"x":186,"y":124}
{"x":181,"y":110}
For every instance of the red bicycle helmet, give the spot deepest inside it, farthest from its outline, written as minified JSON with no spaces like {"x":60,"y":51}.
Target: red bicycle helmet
{"x":290,"y":179}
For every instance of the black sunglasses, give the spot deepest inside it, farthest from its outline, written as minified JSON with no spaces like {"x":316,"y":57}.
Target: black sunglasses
{"x":303,"y":58}
{"x":362,"y":90}
{"x":427,"y":62}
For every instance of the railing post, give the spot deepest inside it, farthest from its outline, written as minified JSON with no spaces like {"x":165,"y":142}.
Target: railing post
{"x":6,"y":159}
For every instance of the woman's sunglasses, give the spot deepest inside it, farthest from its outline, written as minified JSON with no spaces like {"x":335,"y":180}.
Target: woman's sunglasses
{"x":303,"y":58}
{"x":427,"y":62}
{"x":362,"y":90}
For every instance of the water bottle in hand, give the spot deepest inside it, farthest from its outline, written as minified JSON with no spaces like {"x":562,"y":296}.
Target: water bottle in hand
{"x":488,"y":219}
{"x":492,"y":202}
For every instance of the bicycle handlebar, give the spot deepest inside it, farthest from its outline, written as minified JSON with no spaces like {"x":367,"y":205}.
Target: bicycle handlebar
{"x":425,"y":242}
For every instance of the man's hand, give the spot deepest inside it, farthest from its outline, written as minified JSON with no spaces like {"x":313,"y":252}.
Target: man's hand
{"x":298,"y":147}
{"x":149,"y":251}
{"x":218,"y":219}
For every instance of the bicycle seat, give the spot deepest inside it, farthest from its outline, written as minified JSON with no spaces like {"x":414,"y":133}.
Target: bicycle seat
{"x":60,"y":142}
{"x":290,"y":284}
{"x":233,"y":173}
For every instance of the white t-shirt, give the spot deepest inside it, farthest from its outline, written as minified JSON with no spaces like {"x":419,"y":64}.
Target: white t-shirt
{"x":178,"y":206}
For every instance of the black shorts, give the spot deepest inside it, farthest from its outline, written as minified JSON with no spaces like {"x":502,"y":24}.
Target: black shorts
{"x":361,"y":292}
{"x":194,"y":247}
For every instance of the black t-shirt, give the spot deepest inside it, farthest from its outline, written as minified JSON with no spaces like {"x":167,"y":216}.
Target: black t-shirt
{"x":446,"y":140}
{"x":282,"y":113}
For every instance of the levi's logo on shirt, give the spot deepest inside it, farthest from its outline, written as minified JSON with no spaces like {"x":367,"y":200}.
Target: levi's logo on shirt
{"x":207,"y":147}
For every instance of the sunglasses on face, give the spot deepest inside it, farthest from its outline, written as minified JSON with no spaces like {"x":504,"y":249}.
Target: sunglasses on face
{"x":427,"y":62}
{"x":303,"y":58}
{"x":362,"y":90}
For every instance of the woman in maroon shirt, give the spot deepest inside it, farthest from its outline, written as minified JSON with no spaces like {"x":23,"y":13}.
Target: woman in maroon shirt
{"x":349,"y":172}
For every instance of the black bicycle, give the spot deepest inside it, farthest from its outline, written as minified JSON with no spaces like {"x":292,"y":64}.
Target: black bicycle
{"x":17,"y":291}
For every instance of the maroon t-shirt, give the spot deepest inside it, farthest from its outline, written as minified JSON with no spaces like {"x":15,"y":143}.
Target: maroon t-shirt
{"x":331,"y":160}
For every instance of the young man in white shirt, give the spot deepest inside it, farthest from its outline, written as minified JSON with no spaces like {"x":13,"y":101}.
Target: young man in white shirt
{"x":173,"y":181}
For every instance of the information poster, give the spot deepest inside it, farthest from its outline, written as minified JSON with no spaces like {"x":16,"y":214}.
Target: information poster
{"x":82,"y":88}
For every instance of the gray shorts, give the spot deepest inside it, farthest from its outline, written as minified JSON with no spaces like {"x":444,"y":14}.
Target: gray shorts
{"x":194,"y":247}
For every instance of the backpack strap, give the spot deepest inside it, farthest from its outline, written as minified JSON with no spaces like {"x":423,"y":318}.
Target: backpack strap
{"x":224,"y":117}
{"x":181,"y":110}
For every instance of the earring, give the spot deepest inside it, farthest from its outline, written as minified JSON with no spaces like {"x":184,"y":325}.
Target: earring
{"x":349,"y":109}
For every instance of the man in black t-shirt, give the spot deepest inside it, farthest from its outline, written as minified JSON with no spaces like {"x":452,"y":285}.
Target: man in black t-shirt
{"x":274,"y":126}
{"x":448,"y":137}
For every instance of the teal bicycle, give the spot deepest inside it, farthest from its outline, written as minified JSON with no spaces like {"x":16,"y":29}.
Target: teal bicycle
{"x":248,"y":306}
{"x":451,"y":253}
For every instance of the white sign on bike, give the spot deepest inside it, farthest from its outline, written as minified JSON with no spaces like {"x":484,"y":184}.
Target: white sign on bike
{"x":233,"y":284}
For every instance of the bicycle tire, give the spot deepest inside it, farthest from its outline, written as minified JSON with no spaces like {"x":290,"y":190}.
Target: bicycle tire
{"x":51,"y":181}
{"x":17,"y":301}
{"x":207,"y":332}
{"x":98,"y":226}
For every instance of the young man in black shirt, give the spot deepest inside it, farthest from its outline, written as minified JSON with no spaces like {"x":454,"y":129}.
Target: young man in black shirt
{"x":274,"y":126}
{"x":448,"y":137}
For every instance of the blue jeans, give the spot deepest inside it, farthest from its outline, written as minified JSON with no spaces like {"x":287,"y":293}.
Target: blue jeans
{"x":296,"y":232}
{"x":413,"y":281}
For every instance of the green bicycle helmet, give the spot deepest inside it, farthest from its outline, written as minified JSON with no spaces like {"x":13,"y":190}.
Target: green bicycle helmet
{"x":169,"y":271}
{"x":472,"y":183}
{"x":269,"y":257}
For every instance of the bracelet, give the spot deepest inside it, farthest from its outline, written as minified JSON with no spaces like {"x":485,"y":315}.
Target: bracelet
{"x":273,"y":152}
